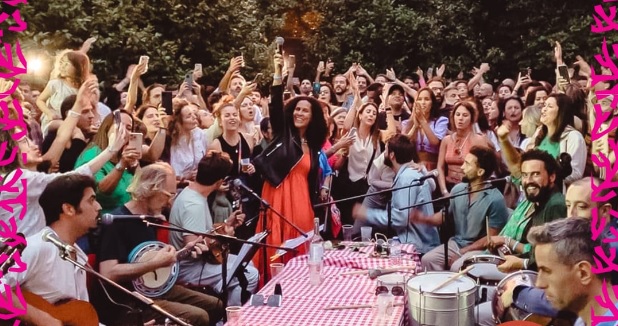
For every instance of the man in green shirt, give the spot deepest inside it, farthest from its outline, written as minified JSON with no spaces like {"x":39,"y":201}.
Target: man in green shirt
{"x":544,"y":203}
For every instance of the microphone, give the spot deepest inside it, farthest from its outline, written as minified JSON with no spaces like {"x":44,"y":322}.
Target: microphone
{"x":108,"y":219}
{"x":238,"y":184}
{"x":50,"y":236}
{"x":431,"y":174}
{"x":495,"y":182}
{"x":279,"y":40}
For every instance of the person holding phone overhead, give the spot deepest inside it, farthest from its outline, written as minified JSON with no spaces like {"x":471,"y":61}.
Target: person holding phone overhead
{"x":290,"y":163}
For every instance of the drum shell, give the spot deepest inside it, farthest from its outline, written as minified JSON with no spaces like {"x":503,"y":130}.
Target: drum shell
{"x":452,"y":305}
{"x":503,"y":314}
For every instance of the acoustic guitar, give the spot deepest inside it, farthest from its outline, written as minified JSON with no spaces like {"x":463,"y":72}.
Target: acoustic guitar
{"x":70,"y":313}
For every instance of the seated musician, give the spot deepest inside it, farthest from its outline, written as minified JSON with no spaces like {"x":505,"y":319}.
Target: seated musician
{"x":544,"y":203}
{"x":398,"y":154}
{"x":579,"y":204}
{"x":151,"y":190}
{"x":567,"y":256}
{"x":190,"y":211}
{"x":469,"y":211}
{"x":71,"y":210}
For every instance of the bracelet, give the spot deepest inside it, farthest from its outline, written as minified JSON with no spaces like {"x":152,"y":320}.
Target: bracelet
{"x":109,"y":149}
{"x":507,"y":241}
{"x":526,"y":261}
{"x":515,"y":246}
{"x":325,"y":188}
{"x":74,"y":114}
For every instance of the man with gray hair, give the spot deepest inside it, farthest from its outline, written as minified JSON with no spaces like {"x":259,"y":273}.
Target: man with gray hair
{"x":568,"y":255}
{"x":152,"y":190}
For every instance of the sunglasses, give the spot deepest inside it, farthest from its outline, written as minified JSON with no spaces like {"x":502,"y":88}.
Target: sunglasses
{"x":395,"y":290}
{"x":257,"y":300}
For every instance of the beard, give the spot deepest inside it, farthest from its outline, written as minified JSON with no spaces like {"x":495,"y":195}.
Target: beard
{"x":542,"y":195}
{"x":466,"y":179}
{"x":388,"y":162}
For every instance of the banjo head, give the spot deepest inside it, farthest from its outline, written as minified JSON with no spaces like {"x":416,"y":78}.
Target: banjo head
{"x":158,"y":282}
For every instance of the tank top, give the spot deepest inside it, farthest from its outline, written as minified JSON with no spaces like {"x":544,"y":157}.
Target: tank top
{"x":235,"y":152}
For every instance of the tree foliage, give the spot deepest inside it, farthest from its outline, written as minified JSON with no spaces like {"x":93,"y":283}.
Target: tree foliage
{"x":379,"y":34}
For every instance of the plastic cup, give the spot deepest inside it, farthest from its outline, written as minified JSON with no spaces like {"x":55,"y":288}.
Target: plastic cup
{"x":233,"y":315}
{"x":244,"y":165}
{"x":347,"y":232}
{"x":366,"y":233}
{"x":384,"y":305}
{"x":275,"y":269}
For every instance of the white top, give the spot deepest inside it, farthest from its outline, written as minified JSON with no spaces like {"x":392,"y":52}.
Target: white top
{"x":13,"y":193}
{"x":59,"y":91}
{"x":186,"y":155}
{"x":48,"y":275}
{"x":359,"y":156}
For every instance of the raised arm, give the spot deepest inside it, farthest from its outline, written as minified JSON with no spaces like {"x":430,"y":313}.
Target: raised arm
{"x":132,"y":95}
{"x":235,"y":65}
{"x":479,"y":76}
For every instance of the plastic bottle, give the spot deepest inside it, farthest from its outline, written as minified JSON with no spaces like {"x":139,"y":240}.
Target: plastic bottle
{"x":316,"y":254}
{"x":395,"y":255}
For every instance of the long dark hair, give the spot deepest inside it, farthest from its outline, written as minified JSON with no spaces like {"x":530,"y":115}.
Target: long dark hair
{"x":333,"y":96}
{"x":565,"y":117}
{"x":434,"y":111}
{"x":317,"y":131}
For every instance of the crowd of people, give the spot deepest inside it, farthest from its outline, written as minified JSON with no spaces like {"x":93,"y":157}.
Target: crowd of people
{"x":175,"y":152}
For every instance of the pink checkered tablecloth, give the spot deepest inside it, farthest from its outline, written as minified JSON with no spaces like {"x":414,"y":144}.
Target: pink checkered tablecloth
{"x":303,"y":304}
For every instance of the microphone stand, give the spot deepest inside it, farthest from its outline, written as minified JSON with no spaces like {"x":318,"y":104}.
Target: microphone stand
{"x":445,"y":219}
{"x":389,"y":226}
{"x":147,"y":301}
{"x":225,"y":240}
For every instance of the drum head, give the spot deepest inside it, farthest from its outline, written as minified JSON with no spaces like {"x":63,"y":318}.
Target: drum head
{"x":429,"y":281}
{"x":486,"y":272}
{"x":156,"y":283}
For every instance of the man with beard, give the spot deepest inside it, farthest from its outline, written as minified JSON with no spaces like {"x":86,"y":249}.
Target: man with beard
{"x":363,"y":83}
{"x":306,"y":88}
{"x":394,"y":100}
{"x":397,"y":155}
{"x":469,"y":211}
{"x":437,"y":85}
{"x":344,"y":98}
{"x":544,"y":203}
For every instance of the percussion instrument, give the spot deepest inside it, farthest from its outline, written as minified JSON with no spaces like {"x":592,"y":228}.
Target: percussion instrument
{"x":158,"y":282}
{"x":486,"y":274}
{"x":501,"y":313}
{"x":452,"y":304}
{"x":391,"y":283}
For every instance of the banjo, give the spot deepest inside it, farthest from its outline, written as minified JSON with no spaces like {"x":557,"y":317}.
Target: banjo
{"x":155,"y":283}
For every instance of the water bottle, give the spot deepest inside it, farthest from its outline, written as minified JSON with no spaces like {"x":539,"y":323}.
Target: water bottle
{"x":316,"y":255}
{"x":395,"y":256}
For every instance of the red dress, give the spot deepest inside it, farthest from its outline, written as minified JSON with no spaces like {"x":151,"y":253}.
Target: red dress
{"x":292,"y":200}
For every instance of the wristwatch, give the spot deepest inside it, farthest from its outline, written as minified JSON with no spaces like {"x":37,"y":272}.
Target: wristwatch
{"x":120,"y":167}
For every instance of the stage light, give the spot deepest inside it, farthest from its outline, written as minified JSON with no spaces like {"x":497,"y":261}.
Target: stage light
{"x":34,"y":65}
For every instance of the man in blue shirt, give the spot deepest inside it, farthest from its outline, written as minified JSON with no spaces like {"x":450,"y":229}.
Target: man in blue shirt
{"x":397,"y":155}
{"x":471,"y":213}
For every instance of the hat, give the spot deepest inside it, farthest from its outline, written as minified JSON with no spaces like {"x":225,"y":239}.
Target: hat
{"x":396,"y":87}
{"x":338,"y":112}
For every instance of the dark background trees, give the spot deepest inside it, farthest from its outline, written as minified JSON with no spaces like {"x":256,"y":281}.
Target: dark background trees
{"x":379,"y":34}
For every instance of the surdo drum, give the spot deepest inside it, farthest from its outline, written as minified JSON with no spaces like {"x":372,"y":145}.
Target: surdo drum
{"x":452,"y":304}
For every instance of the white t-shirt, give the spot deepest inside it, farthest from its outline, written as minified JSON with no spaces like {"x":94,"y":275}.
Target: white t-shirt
{"x":48,"y":275}
{"x":187,"y":154}
{"x":35,"y":182}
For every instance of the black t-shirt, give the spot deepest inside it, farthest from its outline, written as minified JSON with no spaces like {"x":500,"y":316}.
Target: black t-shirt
{"x":69,"y":155}
{"x":404,"y":115}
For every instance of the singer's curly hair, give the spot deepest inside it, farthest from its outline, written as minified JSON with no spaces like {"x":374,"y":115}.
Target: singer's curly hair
{"x":65,"y":189}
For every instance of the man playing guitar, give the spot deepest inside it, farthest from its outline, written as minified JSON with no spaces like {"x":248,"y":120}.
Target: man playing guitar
{"x":151,"y":191}
{"x":190,"y":211}
{"x":71,"y":210}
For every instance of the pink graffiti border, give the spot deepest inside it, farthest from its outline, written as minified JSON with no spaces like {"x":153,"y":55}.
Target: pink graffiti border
{"x":604,"y":22}
{"x":12,"y":69}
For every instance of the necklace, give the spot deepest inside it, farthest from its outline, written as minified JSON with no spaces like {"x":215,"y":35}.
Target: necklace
{"x":458,"y":149}
{"x":303,"y":141}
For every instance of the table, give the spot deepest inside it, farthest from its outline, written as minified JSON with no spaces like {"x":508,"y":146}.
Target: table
{"x":303,"y":304}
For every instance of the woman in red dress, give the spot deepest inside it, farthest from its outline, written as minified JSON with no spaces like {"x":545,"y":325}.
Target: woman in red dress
{"x":290,"y":165}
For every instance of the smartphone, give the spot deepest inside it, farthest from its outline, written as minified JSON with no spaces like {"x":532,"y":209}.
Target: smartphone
{"x":430,"y":71}
{"x":239,"y":54}
{"x":258,"y":78}
{"x":117,"y":120}
{"x":166,"y":102}
{"x":321,"y":65}
{"x":135,"y":141}
{"x":564,"y":73}
{"x":296,"y":81}
{"x":145,"y":59}
{"x":292,"y":60}
{"x":198,"y":67}
{"x":353,"y":132}
{"x":189,"y":79}
{"x":316,"y":89}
